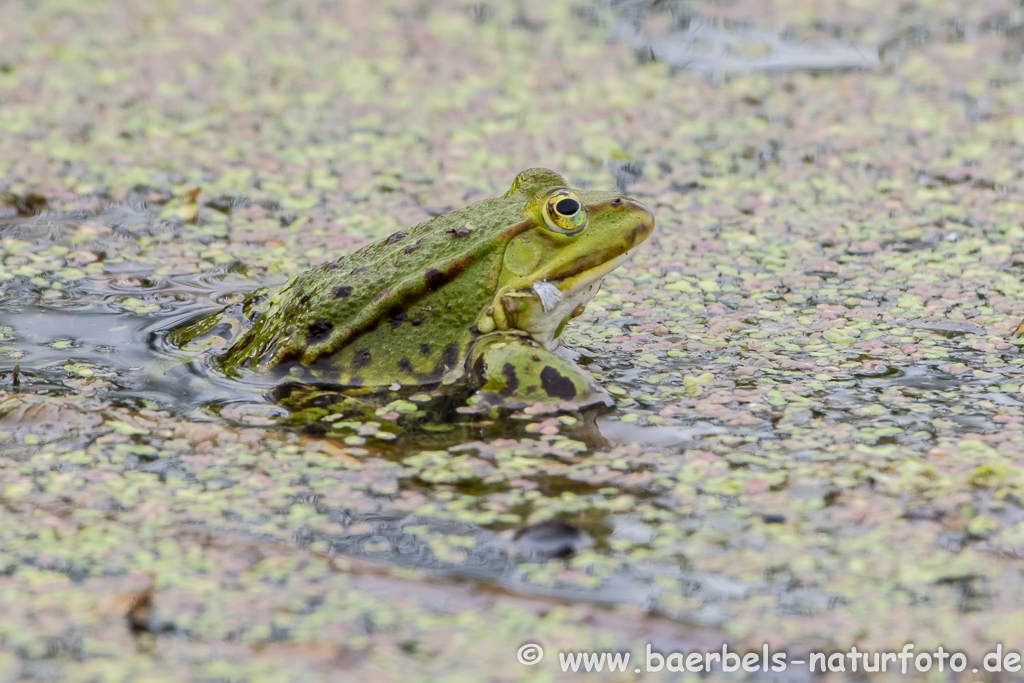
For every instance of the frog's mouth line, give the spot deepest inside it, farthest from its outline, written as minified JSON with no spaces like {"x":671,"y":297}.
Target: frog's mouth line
{"x":551,"y":292}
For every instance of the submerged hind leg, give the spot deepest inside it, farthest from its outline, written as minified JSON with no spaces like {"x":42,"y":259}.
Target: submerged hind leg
{"x":513,"y":372}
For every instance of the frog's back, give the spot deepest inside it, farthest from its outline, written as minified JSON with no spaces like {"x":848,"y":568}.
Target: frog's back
{"x":398,"y":310}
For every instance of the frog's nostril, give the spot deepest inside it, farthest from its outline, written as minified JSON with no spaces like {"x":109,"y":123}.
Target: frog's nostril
{"x":617,"y":202}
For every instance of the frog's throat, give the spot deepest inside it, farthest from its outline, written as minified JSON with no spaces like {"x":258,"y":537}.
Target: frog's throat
{"x":542,"y":322}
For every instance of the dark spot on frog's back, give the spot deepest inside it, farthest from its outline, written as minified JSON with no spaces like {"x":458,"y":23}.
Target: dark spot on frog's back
{"x":341,"y":291}
{"x":557,"y":385}
{"x":396,"y":237}
{"x":413,"y":247}
{"x":319,"y":330}
{"x":425,"y":349}
{"x":362,"y":358}
{"x":405,"y":365}
{"x":396,"y":316}
{"x":435,"y":279}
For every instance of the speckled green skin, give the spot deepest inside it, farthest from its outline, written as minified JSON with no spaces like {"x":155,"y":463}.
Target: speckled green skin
{"x":408,"y":308}
{"x":515,"y":371}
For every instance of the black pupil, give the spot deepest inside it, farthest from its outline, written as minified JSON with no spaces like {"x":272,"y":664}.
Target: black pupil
{"x":567,"y":207}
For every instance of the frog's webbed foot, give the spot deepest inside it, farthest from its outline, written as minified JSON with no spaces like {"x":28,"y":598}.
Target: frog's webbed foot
{"x":512,"y":371}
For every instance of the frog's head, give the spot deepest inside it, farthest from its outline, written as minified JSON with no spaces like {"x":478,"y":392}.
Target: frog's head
{"x":567,"y":241}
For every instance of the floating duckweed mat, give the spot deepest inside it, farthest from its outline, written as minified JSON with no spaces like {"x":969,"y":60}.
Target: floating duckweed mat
{"x":818,"y":440}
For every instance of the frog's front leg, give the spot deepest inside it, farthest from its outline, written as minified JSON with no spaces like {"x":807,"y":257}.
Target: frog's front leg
{"x":513,"y":371}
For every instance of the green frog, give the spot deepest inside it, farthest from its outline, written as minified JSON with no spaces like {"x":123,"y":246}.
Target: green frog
{"x":473,"y":301}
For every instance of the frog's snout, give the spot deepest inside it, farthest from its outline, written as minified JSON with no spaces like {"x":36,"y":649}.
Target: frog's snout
{"x":643,"y":219}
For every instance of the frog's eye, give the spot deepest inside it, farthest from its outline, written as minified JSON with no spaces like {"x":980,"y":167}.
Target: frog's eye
{"x":564,"y":213}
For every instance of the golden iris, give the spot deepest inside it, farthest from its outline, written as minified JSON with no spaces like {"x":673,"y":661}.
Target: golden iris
{"x":564,"y":212}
